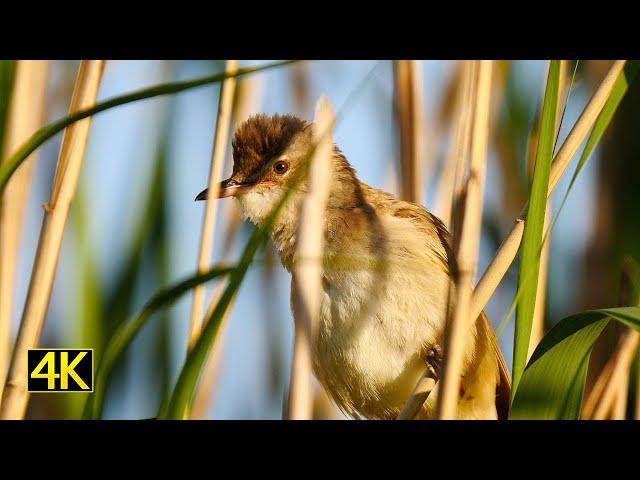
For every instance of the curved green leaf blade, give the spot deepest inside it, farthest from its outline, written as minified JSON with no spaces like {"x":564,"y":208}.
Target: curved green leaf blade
{"x":45,"y":133}
{"x":180,"y":400}
{"x":126,"y":332}
{"x":533,"y":227}
{"x":178,"y":405}
{"x":7,"y":73}
{"x":552,"y":385}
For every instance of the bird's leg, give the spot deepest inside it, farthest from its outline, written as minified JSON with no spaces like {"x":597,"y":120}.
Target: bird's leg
{"x":433,"y":359}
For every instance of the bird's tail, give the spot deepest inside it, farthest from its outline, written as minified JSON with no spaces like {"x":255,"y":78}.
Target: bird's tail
{"x":486,"y":386}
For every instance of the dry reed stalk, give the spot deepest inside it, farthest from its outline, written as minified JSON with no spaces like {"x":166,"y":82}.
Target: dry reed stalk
{"x":248,"y":96}
{"x":507,"y":252}
{"x":457,"y":207}
{"x":613,"y":380}
{"x":425,"y":386}
{"x":467,"y":255}
{"x":590,"y":403}
{"x":70,"y":159}
{"x":25,"y":116}
{"x":450,"y":185}
{"x":619,"y":409}
{"x":307,"y":270}
{"x":427,"y":383}
{"x":408,"y":100}
{"x":449,"y":104}
{"x":223,"y":121}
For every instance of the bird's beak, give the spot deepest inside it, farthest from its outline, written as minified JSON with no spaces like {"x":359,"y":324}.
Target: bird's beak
{"x":228,"y":188}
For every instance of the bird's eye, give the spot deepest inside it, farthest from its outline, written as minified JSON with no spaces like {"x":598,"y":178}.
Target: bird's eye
{"x":280,"y":167}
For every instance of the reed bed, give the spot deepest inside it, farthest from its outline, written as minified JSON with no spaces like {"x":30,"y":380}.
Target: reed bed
{"x":509,"y":248}
{"x":544,"y":364}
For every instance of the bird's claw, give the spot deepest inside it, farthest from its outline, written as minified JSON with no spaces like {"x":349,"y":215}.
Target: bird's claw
{"x":433,"y":359}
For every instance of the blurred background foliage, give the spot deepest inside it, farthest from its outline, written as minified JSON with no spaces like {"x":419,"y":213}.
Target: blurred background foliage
{"x":134,"y":226}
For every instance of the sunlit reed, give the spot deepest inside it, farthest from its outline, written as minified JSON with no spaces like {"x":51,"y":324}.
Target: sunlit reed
{"x":307,"y":275}
{"x":25,"y":115}
{"x":221,"y":137}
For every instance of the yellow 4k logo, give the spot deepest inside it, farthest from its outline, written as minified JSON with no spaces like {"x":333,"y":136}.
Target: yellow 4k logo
{"x":60,"y":370}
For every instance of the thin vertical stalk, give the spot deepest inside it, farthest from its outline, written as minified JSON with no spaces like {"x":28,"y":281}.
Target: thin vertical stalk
{"x":225,"y":106}
{"x":248,"y":97}
{"x":307,"y":268}
{"x":25,"y":116}
{"x":449,"y":194}
{"x":590,"y":403}
{"x":65,"y":183}
{"x":456,"y":331}
{"x":619,"y":410}
{"x":450,"y":185}
{"x":408,"y":99}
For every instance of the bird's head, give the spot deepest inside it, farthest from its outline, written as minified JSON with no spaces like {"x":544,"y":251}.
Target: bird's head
{"x":268,"y":151}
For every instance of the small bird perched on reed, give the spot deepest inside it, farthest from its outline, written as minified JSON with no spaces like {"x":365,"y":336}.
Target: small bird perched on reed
{"x":386,"y":277}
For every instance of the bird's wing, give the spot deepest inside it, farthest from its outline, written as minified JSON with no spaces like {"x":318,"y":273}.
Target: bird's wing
{"x":443,"y":253}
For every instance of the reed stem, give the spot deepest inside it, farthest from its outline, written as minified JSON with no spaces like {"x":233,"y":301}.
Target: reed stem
{"x":307,"y":274}
{"x":467,"y":256}
{"x":408,"y":98}
{"x":248,"y":94}
{"x":221,"y":137}
{"x":25,"y":115}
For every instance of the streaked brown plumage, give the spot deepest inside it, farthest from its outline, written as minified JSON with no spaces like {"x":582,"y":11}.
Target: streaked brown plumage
{"x":386,"y":275}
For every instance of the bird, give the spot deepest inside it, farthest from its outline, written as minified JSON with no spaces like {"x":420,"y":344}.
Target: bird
{"x":387,"y":266}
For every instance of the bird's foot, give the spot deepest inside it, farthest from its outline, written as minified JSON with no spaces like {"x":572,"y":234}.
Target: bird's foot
{"x":433,"y":359}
